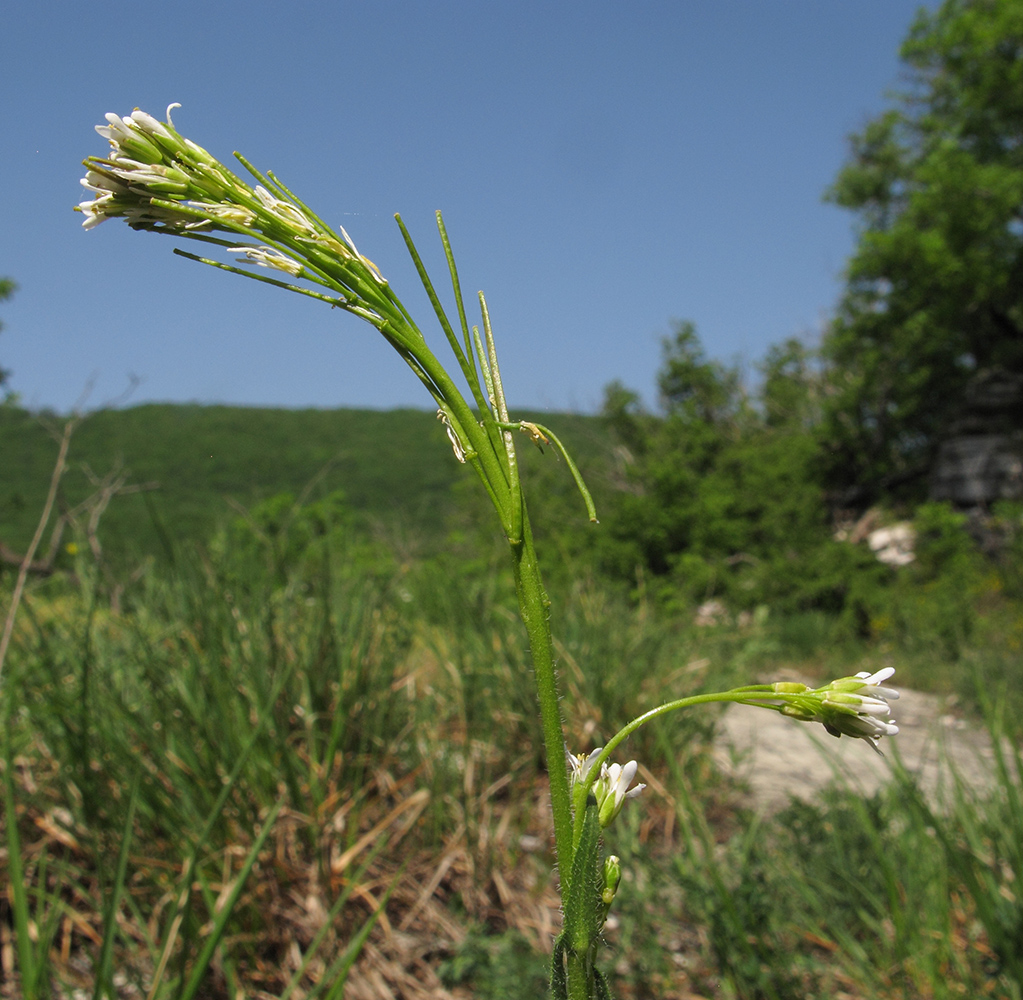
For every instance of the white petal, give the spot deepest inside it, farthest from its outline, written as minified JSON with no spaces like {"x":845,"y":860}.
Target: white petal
{"x":118,"y":127}
{"x":265,"y":197}
{"x":580,"y":764}
{"x":889,"y":694}
{"x":149,"y":124}
{"x":102,"y":184}
{"x":876,"y":678}
{"x":93,"y":217}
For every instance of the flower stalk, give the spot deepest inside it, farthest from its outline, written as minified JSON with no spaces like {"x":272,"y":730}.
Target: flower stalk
{"x":854,"y":706}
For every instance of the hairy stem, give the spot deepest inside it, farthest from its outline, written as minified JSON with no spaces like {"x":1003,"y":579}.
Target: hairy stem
{"x":534,"y":609}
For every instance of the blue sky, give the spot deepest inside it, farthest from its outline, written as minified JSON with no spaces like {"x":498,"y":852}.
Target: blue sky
{"x":602,"y":167}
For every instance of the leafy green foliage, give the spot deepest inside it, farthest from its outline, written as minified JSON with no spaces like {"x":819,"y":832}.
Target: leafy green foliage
{"x":281,"y":536}
{"x":720,"y":495}
{"x":723,"y":496}
{"x":982,"y":846}
{"x":203,"y":462}
{"x":935,"y":287}
{"x":933,"y":605}
{"x":351,"y":683}
{"x":198,"y":460}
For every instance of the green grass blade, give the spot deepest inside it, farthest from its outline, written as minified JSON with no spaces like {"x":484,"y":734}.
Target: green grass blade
{"x":106,"y":955}
{"x":343,"y":964}
{"x":184,"y":896}
{"x":220,"y":923}
{"x":338,"y":906}
{"x":30,"y":968}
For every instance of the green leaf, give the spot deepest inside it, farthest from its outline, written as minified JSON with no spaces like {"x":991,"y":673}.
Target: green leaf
{"x":559,"y":983}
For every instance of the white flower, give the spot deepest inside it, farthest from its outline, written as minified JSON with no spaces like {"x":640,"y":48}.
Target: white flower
{"x":858,"y":707}
{"x":287,"y":213}
{"x":102,"y":183}
{"x":615,"y":780}
{"x":863,"y":727}
{"x":129,"y":140}
{"x":850,"y":706}
{"x":862,"y":704}
{"x":155,"y":177}
{"x":268,"y":257}
{"x":611,"y":788}
{"x":115,"y":130}
{"x":93,"y":212}
{"x":872,"y":683}
{"x":150,"y":125}
{"x":373,"y":269}
{"x":581,"y":764}
{"x":237,"y":214}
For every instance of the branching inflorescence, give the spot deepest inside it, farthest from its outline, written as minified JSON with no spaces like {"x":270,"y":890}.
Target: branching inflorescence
{"x":157,"y":180}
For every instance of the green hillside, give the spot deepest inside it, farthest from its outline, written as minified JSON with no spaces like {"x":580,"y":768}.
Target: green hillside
{"x":395,"y":468}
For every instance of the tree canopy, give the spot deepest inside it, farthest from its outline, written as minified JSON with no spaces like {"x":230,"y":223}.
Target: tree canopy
{"x":719,"y":494}
{"x":934,"y":290}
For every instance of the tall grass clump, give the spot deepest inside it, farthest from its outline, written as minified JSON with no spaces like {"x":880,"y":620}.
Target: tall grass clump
{"x":200,"y":724}
{"x":221,"y":781}
{"x":273,"y":731}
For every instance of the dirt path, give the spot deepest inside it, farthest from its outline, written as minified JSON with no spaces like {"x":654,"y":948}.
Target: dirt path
{"x":778,"y":757}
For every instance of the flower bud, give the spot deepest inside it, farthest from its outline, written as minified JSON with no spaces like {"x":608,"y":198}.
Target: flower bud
{"x":612,"y":877}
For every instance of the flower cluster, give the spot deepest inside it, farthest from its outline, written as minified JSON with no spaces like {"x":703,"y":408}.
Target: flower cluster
{"x":611,"y":788}
{"x":154,"y":178}
{"x":850,"y":706}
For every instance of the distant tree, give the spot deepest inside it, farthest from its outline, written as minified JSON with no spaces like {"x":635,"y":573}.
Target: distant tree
{"x":693,"y":388}
{"x":7,"y":289}
{"x":935,"y":286}
{"x":720,"y":493}
{"x":668,"y":456}
{"x":791,"y":390}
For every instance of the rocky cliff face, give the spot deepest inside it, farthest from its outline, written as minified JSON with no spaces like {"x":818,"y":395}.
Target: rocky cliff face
{"x":981,"y":460}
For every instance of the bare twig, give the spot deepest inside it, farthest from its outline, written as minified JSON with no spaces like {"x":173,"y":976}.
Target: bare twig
{"x":58,"y":471}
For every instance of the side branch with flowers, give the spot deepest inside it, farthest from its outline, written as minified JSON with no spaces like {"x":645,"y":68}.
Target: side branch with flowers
{"x":157,"y":180}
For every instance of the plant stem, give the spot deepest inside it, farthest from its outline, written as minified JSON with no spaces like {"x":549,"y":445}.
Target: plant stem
{"x":581,"y":985}
{"x":752,"y":694}
{"x":534,"y":609}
